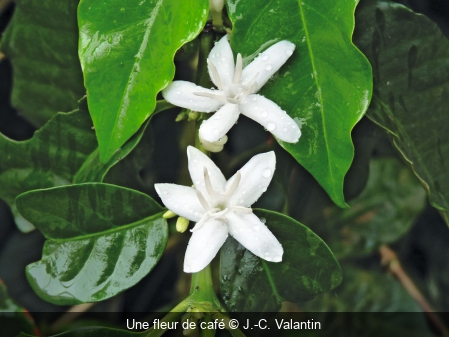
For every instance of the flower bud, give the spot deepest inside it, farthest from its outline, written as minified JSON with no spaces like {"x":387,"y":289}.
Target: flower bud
{"x":215,"y":146}
{"x":181,"y":116}
{"x":216,"y":5}
{"x":193,"y":115}
{"x":168,"y":215}
{"x":182,"y":224}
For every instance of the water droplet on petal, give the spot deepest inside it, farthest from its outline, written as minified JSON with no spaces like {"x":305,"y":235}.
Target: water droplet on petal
{"x":178,"y":92}
{"x":271,"y":126}
{"x":289,"y":52}
{"x":195,"y":161}
{"x":265,"y":58}
{"x":264,"y":114}
{"x":266,"y":173}
{"x":268,"y":67}
{"x":284,"y":130}
{"x":263,"y":220}
{"x":256,"y":228}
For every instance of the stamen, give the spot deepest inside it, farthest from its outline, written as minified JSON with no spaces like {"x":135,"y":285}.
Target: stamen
{"x":203,"y":201}
{"x":215,"y":74}
{"x":251,"y":85}
{"x":253,"y":88}
{"x":238,"y":69}
{"x":235,"y":183}
{"x":200,"y":223}
{"x":242,"y":210}
{"x":212,"y":96}
{"x":209,"y":188}
{"x":219,"y":215}
{"x":233,"y":100}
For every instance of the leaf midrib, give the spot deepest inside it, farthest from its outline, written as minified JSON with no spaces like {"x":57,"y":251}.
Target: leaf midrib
{"x":315,"y":77}
{"x":109,"y":231}
{"x":143,"y":45}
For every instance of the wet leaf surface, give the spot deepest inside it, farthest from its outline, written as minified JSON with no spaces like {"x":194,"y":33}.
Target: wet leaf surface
{"x":126,"y":51}
{"x":42,"y":41}
{"x":326,"y":84}
{"x":101,"y":240}
{"x":308,"y":268}
{"x":410,"y":58}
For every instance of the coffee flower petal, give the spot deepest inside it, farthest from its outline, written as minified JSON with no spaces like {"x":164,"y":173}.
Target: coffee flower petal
{"x":182,"y":93}
{"x":198,"y":162}
{"x":267,"y":63}
{"x":181,"y":200}
{"x":223,"y":60}
{"x":255,"y":236}
{"x":218,"y":125}
{"x":255,"y":176}
{"x":272,"y":117}
{"x":204,"y":244}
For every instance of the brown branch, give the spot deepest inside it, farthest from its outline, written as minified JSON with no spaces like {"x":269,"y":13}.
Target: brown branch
{"x":390,"y":260}
{"x":70,"y":315}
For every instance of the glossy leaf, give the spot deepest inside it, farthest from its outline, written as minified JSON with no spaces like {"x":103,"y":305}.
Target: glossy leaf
{"x":13,"y":318}
{"x":93,"y":170}
{"x":325,"y":86}
{"x":410,"y":58}
{"x":41,"y":42}
{"x":51,"y":158}
{"x":101,"y":240}
{"x":384,"y":211}
{"x":308,"y":268}
{"x":126,"y":50}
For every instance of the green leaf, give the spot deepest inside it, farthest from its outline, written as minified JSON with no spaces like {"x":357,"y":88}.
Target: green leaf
{"x":308,"y":268}
{"x":384,"y":211}
{"x":13,"y":318}
{"x":126,"y":50}
{"x":41,"y":42}
{"x":410,"y":58}
{"x":93,"y":170}
{"x":101,"y":240}
{"x":325,"y":86}
{"x":51,"y":158}
{"x":384,"y":307}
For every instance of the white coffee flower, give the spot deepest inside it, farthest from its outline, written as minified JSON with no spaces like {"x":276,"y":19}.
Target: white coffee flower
{"x":221,"y":207}
{"x":236,"y":93}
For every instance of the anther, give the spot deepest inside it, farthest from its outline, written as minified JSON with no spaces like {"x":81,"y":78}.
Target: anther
{"x":235,"y":183}
{"x":209,"y":188}
{"x":238,"y":69}
{"x":215,"y":74}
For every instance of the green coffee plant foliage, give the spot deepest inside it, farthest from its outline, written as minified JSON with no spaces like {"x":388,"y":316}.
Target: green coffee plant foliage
{"x":41,"y":42}
{"x":101,"y":240}
{"x":248,"y":283}
{"x":325,"y":86}
{"x":127,"y":58}
{"x":221,"y":164}
{"x":409,"y":57}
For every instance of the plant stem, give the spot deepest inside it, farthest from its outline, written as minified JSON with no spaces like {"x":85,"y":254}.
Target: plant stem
{"x":390,"y":259}
{"x":173,"y":316}
{"x":202,"y":290}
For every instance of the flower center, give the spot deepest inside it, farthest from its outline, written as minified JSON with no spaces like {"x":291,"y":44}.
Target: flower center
{"x":218,"y":207}
{"x":235,"y":92}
